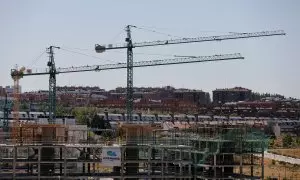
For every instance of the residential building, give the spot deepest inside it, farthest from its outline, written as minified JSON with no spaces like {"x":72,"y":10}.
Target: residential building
{"x":221,"y":96}
{"x":196,"y":96}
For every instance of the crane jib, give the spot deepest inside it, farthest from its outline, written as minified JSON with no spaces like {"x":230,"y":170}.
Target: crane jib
{"x":142,"y":64}
{"x":193,"y":40}
{"x":209,"y":38}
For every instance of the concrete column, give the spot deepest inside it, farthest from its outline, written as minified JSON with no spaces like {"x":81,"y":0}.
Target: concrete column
{"x":251,"y":165}
{"x":167,"y":168}
{"x":93,"y":151}
{"x":83,"y":164}
{"x":60,"y":158}
{"x":65,"y":162}
{"x":195,"y":170}
{"x":39,"y":162}
{"x":88,"y":158}
{"x":190,"y":159}
{"x":215,"y":164}
{"x":222,"y":171}
{"x":122,"y":160}
{"x":162,"y":162}
{"x":149,"y":160}
{"x":195,"y":166}
{"x":29,"y":164}
{"x":180,"y":163}
{"x":262,"y":162}
{"x":241,"y":165}
{"x":14,"y":161}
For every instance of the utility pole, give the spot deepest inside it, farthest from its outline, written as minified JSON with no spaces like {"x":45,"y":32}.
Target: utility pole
{"x":129,"y":94}
{"x":52,"y":85}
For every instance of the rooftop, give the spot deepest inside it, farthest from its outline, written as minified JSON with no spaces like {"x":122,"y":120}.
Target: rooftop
{"x":233,"y":89}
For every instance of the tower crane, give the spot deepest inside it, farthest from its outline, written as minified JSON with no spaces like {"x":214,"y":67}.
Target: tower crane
{"x":129,"y":65}
{"x":130,"y":45}
{"x":52,"y":71}
{"x":16,"y":74}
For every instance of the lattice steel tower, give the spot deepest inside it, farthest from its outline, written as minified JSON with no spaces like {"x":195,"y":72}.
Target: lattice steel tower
{"x":129,"y":94}
{"x":52,"y":85}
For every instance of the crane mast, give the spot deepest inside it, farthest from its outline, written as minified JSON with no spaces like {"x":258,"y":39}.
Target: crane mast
{"x":52,"y":84}
{"x":129,"y":93}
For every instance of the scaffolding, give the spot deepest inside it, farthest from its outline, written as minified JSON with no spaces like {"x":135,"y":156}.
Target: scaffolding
{"x":200,"y":152}
{"x":27,"y":133}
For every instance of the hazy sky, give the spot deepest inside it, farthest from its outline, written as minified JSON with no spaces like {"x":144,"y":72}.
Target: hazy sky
{"x":271,"y":63}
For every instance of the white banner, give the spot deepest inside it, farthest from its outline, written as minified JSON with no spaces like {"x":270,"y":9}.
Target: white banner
{"x":111,"y":156}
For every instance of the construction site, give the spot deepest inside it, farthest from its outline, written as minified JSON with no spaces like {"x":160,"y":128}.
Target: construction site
{"x":138,"y":152}
{"x":51,"y":150}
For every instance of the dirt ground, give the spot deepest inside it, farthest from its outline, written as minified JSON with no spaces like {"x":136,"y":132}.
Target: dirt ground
{"x":291,"y":172}
{"x":280,"y":170}
{"x":286,"y":152}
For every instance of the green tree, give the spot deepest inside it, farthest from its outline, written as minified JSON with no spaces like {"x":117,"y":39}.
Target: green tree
{"x":271,"y":142}
{"x":43,"y":107}
{"x":287,"y":140}
{"x":24,"y":107}
{"x":99,"y":123}
{"x":61,"y":110}
{"x":255,"y":96}
{"x":297,"y":141}
{"x":83,"y":115}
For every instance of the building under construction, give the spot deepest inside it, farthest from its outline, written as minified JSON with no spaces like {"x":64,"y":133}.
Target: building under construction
{"x":134,"y":151}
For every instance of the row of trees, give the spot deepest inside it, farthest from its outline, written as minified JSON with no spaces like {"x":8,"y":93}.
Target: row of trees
{"x":287,"y":141}
{"x":255,"y":96}
{"x":88,"y":116}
